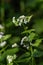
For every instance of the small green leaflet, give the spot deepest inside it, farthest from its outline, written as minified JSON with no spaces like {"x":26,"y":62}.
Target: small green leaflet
{"x":28,"y":31}
{"x":37,"y":42}
{"x":31,"y":36}
{"x":5,"y":37}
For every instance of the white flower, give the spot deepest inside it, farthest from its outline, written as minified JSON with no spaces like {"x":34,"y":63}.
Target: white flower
{"x":24,"y":46}
{"x":1,"y":27}
{"x":2,"y":44}
{"x":27,"y":47}
{"x":23,"y":39}
{"x":14,"y":45}
{"x":22,"y":19}
{"x":18,"y":19}
{"x":25,"y":21}
{"x":30,"y":43}
{"x":20,"y":24}
{"x":9,"y":58}
{"x":14,"y":20}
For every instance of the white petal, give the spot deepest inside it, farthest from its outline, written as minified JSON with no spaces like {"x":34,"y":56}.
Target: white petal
{"x":21,"y":20}
{"x":22,"y":16}
{"x":14,"y":45}
{"x":13,"y":20}
{"x":25,"y":22}
{"x":9,"y":58}
{"x":18,"y":19}
{"x":23,"y":39}
{"x":27,"y":47}
{"x":20,"y":24}
{"x":24,"y":46}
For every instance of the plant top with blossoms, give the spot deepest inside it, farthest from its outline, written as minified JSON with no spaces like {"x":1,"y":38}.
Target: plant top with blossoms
{"x":22,"y":19}
{"x":22,"y":46}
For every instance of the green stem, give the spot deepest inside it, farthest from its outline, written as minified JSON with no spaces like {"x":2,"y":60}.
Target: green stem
{"x":10,"y":64}
{"x":23,"y":60}
{"x":16,"y":63}
{"x":32,"y":56}
{"x":3,"y":49}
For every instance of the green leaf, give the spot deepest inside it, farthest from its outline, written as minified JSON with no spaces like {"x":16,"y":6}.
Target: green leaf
{"x":24,"y":60}
{"x":37,"y":42}
{"x":31,"y":36}
{"x":28,"y":31}
{"x":29,"y":18}
{"x":38,"y":53}
{"x":14,"y":40}
{"x":5,"y":37}
{"x":25,"y":55}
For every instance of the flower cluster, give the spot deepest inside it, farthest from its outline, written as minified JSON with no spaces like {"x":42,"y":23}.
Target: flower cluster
{"x":25,"y":38}
{"x":2,"y":44}
{"x":21,"y":19}
{"x":10,"y":58}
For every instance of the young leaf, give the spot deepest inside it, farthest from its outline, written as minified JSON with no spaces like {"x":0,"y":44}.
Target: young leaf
{"x":28,"y":31}
{"x":31,"y":36}
{"x":5,"y":37}
{"x":37,"y":42}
